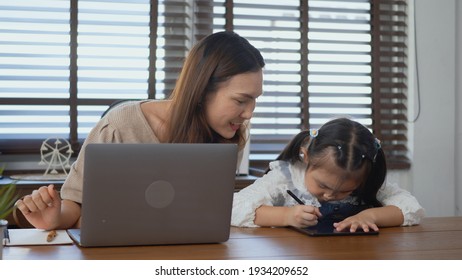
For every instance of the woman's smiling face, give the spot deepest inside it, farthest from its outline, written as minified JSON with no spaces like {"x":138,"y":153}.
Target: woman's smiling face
{"x":233,"y":103}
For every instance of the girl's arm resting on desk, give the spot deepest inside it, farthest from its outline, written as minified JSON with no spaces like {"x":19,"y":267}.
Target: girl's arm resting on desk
{"x":297,"y":216}
{"x":392,"y":194}
{"x":372,"y":219}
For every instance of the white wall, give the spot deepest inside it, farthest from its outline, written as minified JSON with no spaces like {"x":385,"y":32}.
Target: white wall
{"x":435,"y":138}
{"x":458,"y":139}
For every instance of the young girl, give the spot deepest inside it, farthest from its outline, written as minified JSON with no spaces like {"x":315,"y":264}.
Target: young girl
{"x":336,"y":171}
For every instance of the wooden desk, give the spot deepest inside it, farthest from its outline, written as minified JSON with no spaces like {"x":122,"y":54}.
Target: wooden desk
{"x":435,"y":238}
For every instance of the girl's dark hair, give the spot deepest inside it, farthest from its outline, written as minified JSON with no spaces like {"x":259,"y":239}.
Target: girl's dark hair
{"x":213,"y":60}
{"x":354,"y":148}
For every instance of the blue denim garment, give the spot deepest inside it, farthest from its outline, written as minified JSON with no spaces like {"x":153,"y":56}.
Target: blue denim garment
{"x":339,"y":211}
{"x":336,"y":212}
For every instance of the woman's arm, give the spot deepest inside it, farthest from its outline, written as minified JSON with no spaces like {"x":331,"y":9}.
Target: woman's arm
{"x":70,"y":214}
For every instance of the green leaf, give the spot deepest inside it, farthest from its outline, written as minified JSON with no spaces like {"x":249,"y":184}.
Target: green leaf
{"x":8,"y":197}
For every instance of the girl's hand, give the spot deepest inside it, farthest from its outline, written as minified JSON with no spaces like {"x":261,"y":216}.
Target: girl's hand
{"x":361,"y":221}
{"x":372,"y":219}
{"x":42,"y":208}
{"x":302,"y":216}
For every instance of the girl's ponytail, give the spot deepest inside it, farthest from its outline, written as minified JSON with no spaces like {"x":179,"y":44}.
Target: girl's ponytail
{"x":378,"y":171}
{"x":291,"y":152}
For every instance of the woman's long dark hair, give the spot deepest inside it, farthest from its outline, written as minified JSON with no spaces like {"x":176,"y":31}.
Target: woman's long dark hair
{"x":213,"y":60}
{"x":354,"y":148}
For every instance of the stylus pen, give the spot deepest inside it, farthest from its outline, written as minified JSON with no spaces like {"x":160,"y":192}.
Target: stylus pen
{"x":295,"y":197}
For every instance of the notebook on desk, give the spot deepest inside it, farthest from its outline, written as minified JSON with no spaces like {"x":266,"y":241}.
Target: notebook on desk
{"x":153,"y":194}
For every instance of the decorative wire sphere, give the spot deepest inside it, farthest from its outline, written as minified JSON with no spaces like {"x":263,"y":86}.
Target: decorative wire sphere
{"x":55,"y":153}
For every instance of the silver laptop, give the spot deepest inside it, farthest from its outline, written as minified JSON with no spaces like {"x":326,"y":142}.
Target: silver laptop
{"x":152,"y":194}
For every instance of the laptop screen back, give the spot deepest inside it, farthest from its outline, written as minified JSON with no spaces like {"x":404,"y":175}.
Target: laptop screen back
{"x":147,"y":194}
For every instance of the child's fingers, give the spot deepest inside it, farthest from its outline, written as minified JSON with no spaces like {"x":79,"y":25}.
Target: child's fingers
{"x":354,"y":226}
{"x":340,"y":226}
{"x":311,"y":215}
{"x":372,"y":226}
{"x":303,"y":216}
{"x":317,"y":212}
{"x":311,"y":210}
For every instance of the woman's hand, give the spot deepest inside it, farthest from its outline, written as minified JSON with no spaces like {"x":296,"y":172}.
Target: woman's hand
{"x":302,"y":216}
{"x":42,"y":208}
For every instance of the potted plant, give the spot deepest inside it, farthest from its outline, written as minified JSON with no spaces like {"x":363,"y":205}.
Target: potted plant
{"x":7,"y":199}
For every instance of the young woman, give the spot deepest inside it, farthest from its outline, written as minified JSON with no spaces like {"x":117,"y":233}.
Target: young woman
{"x":212,"y":102}
{"x":338,"y":170}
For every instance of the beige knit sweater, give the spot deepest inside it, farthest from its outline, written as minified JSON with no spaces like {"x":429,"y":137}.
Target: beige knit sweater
{"x":124,"y":124}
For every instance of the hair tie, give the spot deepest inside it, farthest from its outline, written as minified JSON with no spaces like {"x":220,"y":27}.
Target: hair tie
{"x":314,"y":133}
{"x":377,"y":144}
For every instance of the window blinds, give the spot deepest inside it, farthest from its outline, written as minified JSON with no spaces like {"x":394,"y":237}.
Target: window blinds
{"x":325,"y":59}
{"x":112,"y":56}
{"x":34,"y":72}
{"x":63,"y":62}
{"x":389,"y":45}
{"x":273,"y":28}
